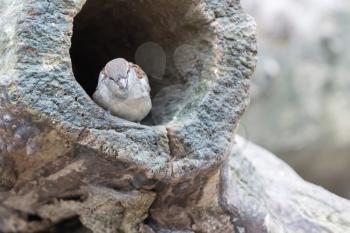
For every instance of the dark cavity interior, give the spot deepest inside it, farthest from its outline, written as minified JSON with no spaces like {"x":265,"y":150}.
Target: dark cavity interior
{"x":105,"y":30}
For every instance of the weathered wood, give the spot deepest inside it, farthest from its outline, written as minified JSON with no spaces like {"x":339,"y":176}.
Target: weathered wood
{"x":66,"y":161}
{"x":263,"y":194}
{"x":69,"y":166}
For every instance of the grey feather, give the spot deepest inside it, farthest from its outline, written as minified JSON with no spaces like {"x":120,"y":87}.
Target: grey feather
{"x":117,"y":68}
{"x":132,"y":102}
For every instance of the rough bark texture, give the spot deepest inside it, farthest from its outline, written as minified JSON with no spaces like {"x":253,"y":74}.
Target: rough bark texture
{"x":69,"y":166}
{"x":263,"y":194}
{"x":65,"y":160}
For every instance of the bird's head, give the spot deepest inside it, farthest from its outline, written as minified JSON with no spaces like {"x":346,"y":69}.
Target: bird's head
{"x":115,"y":75}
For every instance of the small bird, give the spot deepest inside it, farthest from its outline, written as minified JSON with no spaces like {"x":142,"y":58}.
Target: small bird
{"x":123,"y":89}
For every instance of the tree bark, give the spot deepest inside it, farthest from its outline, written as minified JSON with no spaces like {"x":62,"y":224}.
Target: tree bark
{"x":69,"y":166}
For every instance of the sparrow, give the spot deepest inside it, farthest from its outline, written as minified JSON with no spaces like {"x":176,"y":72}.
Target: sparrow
{"x":123,"y":89}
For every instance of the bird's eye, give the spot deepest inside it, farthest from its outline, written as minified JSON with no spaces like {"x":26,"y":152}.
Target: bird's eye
{"x":106,"y":77}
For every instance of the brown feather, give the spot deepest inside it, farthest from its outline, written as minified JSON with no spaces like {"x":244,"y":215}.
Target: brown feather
{"x":139,"y":72}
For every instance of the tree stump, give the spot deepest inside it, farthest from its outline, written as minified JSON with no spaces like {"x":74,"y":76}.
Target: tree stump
{"x":69,"y":166}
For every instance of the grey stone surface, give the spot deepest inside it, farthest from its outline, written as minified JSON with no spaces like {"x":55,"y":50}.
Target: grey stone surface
{"x":263,"y":194}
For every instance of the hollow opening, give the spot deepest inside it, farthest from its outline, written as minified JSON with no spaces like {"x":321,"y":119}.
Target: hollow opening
{"x":72,"y":224}
{"x":105,"y":30}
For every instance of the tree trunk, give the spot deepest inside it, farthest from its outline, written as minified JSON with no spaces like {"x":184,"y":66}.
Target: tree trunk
{"x":69,"y":166}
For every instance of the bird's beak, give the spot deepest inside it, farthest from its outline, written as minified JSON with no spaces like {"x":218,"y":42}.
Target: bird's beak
{"x":122,"y":83}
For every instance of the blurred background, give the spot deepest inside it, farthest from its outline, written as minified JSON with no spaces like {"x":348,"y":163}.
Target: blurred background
{"x":300,"y":108}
